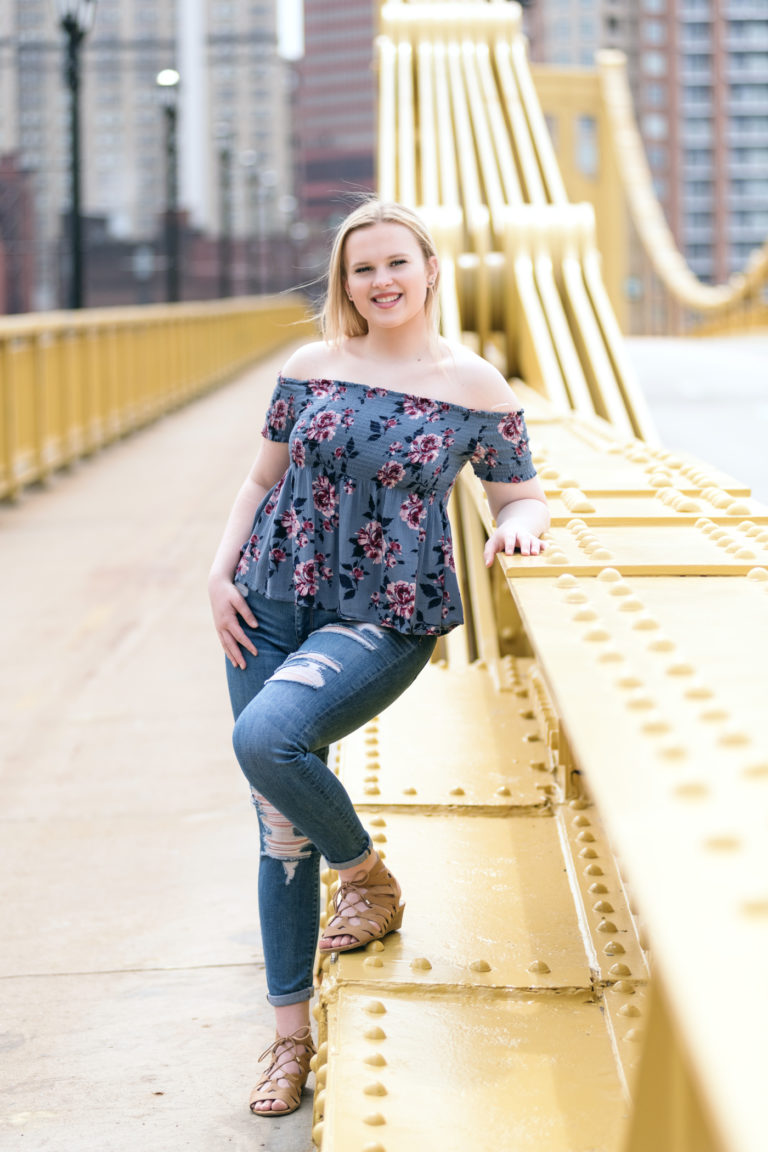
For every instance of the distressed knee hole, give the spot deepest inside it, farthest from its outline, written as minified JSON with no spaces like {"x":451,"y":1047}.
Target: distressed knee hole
{"x":281,"y":841}
{"x":306,"y":668}
{"x":362,"y":633}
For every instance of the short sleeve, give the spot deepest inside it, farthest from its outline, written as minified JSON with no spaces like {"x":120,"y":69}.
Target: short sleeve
{"x":500,"y":449}
{"x":282,"y":411}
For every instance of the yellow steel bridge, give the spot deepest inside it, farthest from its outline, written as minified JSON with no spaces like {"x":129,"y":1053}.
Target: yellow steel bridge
{"x":581,"y":825}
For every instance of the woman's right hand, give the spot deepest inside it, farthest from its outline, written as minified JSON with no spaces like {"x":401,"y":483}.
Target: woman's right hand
{"x":228,"y":606}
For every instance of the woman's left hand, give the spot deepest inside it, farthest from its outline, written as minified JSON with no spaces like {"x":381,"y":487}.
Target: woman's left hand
{"x":507,"y":538}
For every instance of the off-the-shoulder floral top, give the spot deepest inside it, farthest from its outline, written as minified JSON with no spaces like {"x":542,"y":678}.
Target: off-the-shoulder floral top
{"x":358,"y":523}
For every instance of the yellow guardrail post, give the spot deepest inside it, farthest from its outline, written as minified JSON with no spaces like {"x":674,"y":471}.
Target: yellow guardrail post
{"x":72,"y":382}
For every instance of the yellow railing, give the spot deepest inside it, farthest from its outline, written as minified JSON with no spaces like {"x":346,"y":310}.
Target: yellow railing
{"x":72,"y":382}
{"x":635,"y":641}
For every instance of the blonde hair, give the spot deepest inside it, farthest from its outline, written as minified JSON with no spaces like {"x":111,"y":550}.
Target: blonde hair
{"x":339,"y":318}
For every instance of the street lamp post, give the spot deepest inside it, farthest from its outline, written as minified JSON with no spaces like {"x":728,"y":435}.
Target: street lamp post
{"x":225,"y":210}
{"x":76,"y":21}
{"x":168,"y":83}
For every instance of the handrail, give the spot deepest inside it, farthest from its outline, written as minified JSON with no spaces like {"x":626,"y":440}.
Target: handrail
{"x":72,"y":382}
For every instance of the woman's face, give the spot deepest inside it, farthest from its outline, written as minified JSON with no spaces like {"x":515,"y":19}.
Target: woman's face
{"x":387,"y":275}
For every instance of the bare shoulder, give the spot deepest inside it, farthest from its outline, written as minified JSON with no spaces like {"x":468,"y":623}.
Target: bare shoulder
{"x":309,"y":361}
{"x":484,"y":385}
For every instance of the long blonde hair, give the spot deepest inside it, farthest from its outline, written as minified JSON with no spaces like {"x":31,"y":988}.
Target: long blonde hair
{"x":339,"y":317}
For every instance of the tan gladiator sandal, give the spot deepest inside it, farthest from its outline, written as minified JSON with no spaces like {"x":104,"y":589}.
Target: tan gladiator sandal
{"x":284,"y":1050}
{"x":380,"y":893}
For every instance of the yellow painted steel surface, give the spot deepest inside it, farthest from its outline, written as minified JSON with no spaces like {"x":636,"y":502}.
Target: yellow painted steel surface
{"x":72,"y":382}
{"x":573,"y":795}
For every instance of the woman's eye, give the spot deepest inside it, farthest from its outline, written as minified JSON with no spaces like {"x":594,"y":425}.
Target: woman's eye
{"x":365,"y":268}
{"x":398,"y":262}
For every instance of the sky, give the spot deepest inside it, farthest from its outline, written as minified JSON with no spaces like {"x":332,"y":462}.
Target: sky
{"x":290,"y":28}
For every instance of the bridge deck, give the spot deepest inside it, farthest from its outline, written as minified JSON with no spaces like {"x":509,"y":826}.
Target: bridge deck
{"x":131,"y":952}
{"x":133,"y":1005}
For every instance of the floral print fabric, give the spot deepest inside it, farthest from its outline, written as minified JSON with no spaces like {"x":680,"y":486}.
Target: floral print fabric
{"x":358,"y":523}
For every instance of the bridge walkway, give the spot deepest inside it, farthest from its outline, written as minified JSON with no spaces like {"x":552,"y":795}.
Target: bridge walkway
{"x":130,"y":971}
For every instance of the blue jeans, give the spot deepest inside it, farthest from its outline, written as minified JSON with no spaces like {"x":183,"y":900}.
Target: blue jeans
{"x":316,"y":678}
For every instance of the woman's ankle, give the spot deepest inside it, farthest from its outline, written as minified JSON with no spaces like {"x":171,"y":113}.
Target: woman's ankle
{"x":290,"y":1018}
{"x":364,"y":866}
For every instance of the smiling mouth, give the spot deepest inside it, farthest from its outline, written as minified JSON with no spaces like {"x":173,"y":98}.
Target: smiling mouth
{"x":385,"y":301}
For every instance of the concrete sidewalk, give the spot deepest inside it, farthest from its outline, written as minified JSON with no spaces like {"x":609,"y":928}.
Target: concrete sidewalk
{"x":132,"y":987}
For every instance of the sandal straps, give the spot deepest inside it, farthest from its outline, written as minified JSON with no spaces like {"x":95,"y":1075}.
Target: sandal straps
{"x":289,"y":1045}
{"x":283,"y":1051}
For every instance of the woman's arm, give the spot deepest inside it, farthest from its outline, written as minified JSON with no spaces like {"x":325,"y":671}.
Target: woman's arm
{"x":521,"y":515}
{"x":226,"y":602}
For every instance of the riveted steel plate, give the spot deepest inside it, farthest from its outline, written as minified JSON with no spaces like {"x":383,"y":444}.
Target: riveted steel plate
{"x":670,"y":548}
{"x":456,"y":1072}
{"x":487,"y":750}
{"x":585,"y":456}
{"x":488,"y":905}
{"x":680,"y":708}
{"x":661,"y":506}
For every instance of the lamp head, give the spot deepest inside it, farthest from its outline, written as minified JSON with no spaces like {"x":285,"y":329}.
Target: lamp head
{"x":76,"y":13}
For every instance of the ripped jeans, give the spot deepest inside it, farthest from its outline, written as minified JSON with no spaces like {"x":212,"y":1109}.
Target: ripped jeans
{"x":316,"y":678}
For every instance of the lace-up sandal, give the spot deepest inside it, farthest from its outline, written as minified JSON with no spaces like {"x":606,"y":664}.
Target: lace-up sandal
{"x":382,"y":912}
{"x":286,"y":1049}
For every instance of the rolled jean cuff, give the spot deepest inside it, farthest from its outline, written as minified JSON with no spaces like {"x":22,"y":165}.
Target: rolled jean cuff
{"x":355,"y":860}
{"x":291,"y":997}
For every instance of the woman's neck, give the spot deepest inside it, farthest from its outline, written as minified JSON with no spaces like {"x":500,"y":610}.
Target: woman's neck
{"x":417,"y":345}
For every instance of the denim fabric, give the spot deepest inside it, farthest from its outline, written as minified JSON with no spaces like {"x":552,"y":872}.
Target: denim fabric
{"x":316,"y":678}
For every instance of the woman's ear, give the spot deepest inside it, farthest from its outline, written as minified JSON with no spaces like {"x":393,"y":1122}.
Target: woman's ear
{"x":433,"y":267}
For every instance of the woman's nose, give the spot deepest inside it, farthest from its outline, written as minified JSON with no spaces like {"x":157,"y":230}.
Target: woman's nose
{"x":382,"y":276}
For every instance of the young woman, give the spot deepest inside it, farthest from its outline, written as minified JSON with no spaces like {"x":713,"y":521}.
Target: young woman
{"x":335,"y":575}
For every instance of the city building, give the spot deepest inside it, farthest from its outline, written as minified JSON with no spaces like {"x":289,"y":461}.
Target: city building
{"x":699,"y":75}
{"x":235,"y":163}
{"x":335,"y":116}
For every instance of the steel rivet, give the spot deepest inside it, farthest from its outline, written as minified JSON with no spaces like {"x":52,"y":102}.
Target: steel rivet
{"x":581,"y":821}
{"x":376,"y":1060}
{"x":624,"y":986}
{"x":602,"y":906}
{"x":734,"y":738}
{"x":480,"y":966}
{"x":457,"y":791}
{"x":503,"y":791}
{"x":588,"y":854}
{"x":409,"y":792}
{"x":375,"y":946}
{"x":619,"y":970}
{"x":420,"y":964}
{"x":375,"y":1089}
{"x":593,"y":870}
{"x":373,"y":962}
{"x":629,"y":1010}
{"x":607,"y":926}
{"x":374,"y":1119}
{"x":375,"y":1033}
{"x":597,"y":889}
{"x":377,"y":822}
{"x":379,"y":837}
{"x":576,"y":597}
{"x":613,"y":948}
{"x":609,"y":575}
{"x":610,"y":656}
{"x":586,"y":837}
{"x":634,"y":1035}
{"x":372,"y":790}
{"x":539,"y":968}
